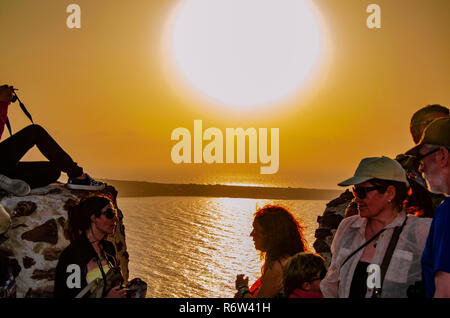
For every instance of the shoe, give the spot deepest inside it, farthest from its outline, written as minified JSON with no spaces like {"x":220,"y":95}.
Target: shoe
{"x":14,"y":186}
{"x":85,"y":184}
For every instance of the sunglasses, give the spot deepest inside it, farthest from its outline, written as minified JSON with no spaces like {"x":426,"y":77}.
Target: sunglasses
{"x":361,"y":192}
{"x":110,"y":213}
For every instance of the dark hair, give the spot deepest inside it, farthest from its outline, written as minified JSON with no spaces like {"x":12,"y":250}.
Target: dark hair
{"x":401,"y":190}
{"x":80,"y":215}
{"x":301,"y":268}
{"x":283,"y":235}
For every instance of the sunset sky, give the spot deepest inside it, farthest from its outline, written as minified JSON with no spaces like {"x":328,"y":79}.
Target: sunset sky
{"x":111,"y":93}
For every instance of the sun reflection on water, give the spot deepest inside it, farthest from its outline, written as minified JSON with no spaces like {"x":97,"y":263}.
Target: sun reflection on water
{"x":195,"y":247}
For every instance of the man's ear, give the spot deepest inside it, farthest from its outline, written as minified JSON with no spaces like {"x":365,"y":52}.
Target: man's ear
{"x":443,"y":157}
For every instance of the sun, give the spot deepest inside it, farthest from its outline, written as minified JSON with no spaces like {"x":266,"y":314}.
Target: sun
{"x":245,"y":52}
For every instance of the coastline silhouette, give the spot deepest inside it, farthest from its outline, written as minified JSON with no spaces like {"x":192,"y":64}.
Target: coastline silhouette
{"x":148,"y":189}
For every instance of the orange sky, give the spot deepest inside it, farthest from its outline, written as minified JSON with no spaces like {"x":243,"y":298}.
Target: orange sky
{"x":108,"y":94}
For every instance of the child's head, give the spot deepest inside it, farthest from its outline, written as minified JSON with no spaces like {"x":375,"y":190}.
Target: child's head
{"x":304,"y":271}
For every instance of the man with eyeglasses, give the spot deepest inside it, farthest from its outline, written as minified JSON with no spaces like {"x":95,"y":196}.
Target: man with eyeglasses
{"x":433,"y":153}
{"x":419,"y":121}
{"x":422,"y":203}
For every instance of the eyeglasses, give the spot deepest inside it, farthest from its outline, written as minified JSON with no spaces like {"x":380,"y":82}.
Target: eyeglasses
{"x":361,"y":192}
{"x":421,"y":157}
{"x":110,"y":213}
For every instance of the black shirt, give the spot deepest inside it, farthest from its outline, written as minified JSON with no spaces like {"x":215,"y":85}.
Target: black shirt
{"x":79,"y":252}
{"x":358,"y":288}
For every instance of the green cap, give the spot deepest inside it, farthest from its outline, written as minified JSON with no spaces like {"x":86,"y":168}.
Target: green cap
{"x":377,"y":167}
{"x":436,"y":133}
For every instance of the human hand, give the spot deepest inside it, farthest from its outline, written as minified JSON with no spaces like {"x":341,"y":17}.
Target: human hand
{"x":241,"y":280}
{"x":117,"y":292}
{"x":6,"y":93}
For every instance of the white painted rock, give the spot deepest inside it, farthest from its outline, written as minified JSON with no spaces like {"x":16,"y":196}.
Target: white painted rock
{"x":36,"y":236}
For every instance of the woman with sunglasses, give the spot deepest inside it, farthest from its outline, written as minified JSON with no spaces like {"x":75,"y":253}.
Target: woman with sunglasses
{"x":89,"y":256}
{"x":278,"y":235}
{"x":381,"y":240}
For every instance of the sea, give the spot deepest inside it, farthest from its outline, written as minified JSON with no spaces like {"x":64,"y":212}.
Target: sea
{"x":193,"y":247}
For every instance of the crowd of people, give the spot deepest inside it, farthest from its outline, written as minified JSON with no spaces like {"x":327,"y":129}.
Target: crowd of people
{"x":398,"y":224}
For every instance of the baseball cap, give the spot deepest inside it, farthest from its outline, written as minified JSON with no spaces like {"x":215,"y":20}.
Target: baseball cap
{"x":377,"y":167}
{"x":436,"y":133}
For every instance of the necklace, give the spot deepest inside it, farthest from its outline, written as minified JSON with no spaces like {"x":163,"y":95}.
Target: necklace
{"x":372,"y":232}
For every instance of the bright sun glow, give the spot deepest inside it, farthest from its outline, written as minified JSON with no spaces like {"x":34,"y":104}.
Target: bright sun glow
{"x":246,"y":52}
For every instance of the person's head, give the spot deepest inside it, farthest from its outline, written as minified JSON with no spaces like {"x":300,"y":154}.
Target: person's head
{"x":423,"y":117}
{"x":96,"y":213}
{"x":303,"y":271}
{"x":380,"y":186}
{"x":432,"y":151}
{"x":276,"y":233}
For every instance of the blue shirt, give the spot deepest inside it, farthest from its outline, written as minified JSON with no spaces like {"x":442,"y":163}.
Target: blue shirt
{"x":436,"y":255}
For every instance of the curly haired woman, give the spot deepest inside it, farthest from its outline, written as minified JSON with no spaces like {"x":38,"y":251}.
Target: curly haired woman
{"x":278,"y":235}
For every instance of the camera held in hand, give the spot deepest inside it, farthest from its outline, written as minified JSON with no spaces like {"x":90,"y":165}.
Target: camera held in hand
{"x":136,"y":288}
{"x":14,"y":98}
{"x":22,"y":106}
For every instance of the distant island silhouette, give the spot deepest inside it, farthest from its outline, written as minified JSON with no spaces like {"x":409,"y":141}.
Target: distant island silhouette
{"x":152,"y":189}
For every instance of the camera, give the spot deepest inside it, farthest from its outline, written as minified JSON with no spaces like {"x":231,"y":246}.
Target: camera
{"x":417,"y":291}
{"x":129,"y":292}
{"x":14,"y":98}
{"x":137,"y":288}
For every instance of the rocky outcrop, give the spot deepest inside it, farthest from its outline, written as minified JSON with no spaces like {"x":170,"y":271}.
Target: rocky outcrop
{"x":37,"y":235}
{"x":329,"y":222}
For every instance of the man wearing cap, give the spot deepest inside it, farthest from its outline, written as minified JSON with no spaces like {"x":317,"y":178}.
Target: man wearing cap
{"x":381,"y":235}
{"x":422,"y":202}
{"x":433,"y":152}
{"x":419,"y":121}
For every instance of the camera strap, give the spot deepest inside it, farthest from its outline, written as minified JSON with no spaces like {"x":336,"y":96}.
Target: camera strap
{"x":25,"y":111}
{"x":362,"y":246}
{"x":388,"y":255}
